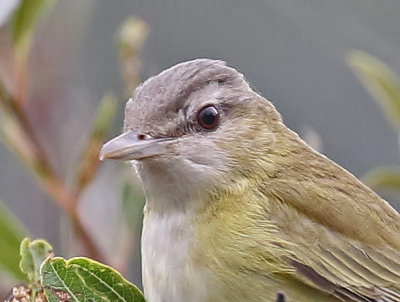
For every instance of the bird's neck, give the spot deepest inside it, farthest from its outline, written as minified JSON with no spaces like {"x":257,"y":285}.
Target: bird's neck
{"x":169,"y":237}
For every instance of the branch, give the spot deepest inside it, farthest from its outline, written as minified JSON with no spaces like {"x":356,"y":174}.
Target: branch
{"x":37,"y":160}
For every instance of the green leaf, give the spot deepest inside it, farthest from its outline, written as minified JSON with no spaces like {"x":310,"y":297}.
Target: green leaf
{"x":89,"y":161}
{"x":381,"y":82}
{"x":14,"y":138}
{"x":383,"y":178}
{"x":133,"y":201}
{"x":11,"y":234}
{"x":131,"y":38}
{"x":104,"y":117}
{"x":83,"y":279}
{"x":33,"y":254}
{"x":25,"y":19}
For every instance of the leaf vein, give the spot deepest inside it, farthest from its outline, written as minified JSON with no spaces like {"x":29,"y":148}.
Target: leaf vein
{"x":63,"y":283}
{"x":100,"y":280}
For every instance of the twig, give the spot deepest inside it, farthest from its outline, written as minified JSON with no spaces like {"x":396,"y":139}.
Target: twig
{"x":24,"y":136}
{"x":51,"y":183}
{"x":20,"y":76}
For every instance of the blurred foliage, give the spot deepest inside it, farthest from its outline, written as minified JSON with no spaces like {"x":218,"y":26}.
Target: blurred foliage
{"x":25,"y":19}
{"x":130,"y":226}
{"x":132,"y":210}
{"x":384,"y":86}
{"x":89,"y":162}
{"x":386,"y":177}
{"x":6,"y":9}
{"x":381,"y":82}
{"x":131,"y":36}
{"x":11,"y":234}
{"x":24,"y":140}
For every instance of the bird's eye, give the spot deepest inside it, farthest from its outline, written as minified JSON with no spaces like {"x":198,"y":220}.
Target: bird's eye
{"x":208,"y":117}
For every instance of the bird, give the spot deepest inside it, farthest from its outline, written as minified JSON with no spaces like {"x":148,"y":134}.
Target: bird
{"x":239,"y":207}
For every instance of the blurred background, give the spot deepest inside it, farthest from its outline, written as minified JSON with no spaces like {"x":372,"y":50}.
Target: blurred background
{"x":67,"y":68}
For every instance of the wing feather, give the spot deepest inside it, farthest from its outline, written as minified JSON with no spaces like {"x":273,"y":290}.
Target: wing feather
{"x":356,"y":273}
{"x":351,"y":270}
{"x":346,"y":239}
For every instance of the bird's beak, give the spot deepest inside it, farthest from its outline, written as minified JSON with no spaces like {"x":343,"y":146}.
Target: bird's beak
{"x":131,"y":146}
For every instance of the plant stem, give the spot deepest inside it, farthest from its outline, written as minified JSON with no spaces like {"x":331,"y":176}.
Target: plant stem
{"x":69,"y":203}
{"x":50,"y":182}
{"x":20,"y":75}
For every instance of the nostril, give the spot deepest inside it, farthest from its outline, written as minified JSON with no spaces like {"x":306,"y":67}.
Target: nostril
{"x":141,"y":137}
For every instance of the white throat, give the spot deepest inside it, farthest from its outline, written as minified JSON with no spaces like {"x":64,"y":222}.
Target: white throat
{"x":169,"y":272}
{"x":168,"y":240}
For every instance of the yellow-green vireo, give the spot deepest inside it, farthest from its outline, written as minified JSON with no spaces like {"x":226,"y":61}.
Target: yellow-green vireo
{"x":239,"y":208}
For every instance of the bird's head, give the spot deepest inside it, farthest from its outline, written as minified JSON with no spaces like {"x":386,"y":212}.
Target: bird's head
{"x":196,"y":127}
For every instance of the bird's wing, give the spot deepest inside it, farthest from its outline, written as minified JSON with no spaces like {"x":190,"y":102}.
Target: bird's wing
{"x":351,"y":272}
{"x":346,"y":238}
{"x":346,"y":266}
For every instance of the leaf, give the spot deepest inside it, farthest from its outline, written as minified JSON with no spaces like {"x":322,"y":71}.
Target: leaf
{"x":129,"y":231}
{"x":25,"y":19}
{"x":133,"y":201}
{"x":89,"y":161}
{"x":14,"y":138}
{"x":33,"y":254}
{"x":11,"y":234}
{"x":381,"y":82}
{"x":83,"y":279}
{"x":383,"y":177}
{"x":131,"y":38}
